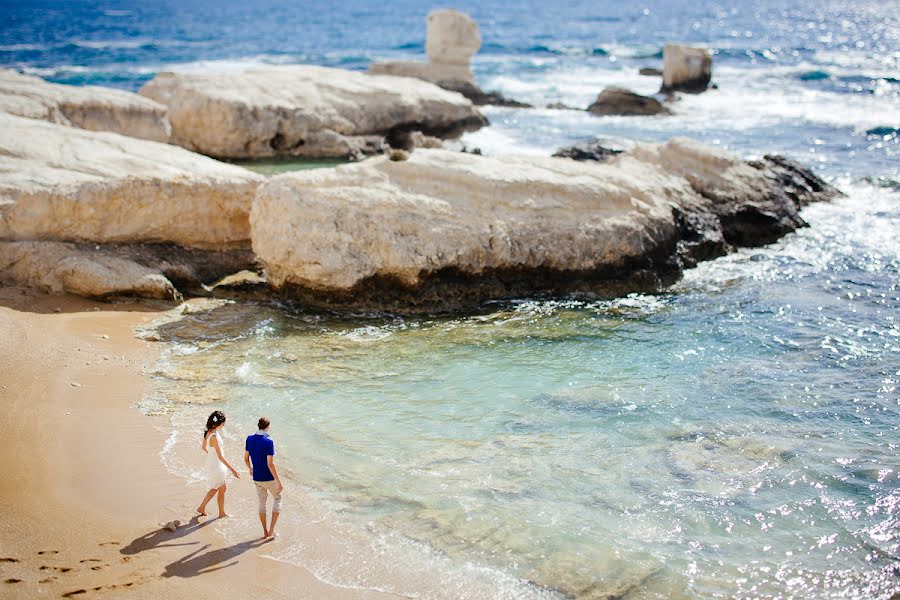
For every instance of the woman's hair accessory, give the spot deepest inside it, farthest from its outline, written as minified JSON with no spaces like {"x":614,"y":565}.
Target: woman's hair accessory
{"x":215,"y":419}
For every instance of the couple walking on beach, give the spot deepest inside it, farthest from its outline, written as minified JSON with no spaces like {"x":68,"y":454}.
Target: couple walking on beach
{"x":259,"y":456}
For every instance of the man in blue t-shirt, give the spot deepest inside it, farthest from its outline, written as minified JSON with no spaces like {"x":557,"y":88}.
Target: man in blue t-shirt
{"x":259,"y":455}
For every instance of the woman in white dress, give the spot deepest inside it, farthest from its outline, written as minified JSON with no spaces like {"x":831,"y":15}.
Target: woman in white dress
{"x":217,"y":466}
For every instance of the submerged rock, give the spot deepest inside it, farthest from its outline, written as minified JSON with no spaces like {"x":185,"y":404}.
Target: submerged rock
{"x":452,"y":38}
{"x":67,"y":184}
{"x":447,"y":230}
{"x":304,"y":111}
{"x":619,"y":101}
{"x":686,"y":69}
{"x":87,"y":107}
{"x":587,"y":151}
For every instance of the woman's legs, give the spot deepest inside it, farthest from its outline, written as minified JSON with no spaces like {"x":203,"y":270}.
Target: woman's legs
{"x":206,"y":499}
{"x":221,"y":501}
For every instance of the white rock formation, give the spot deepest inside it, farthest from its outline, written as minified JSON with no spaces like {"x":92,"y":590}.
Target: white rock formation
{"x":686,"y":69}
{"x":67,"y":184}
{"x":451,"y":40}
{"x":452,"y":37}
{"x":303,"y":111}
{"x":333,"y":229}
{"x":60,"y":268}
{"x":378,"y":226}
{"x":88,"y":107}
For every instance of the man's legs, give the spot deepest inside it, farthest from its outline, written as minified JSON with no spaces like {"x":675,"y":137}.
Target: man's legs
{"x":276,"y":506}
{"x":262,"y":496}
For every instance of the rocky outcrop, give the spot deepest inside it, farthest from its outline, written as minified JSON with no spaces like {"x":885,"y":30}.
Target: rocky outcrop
{"x":144,"y":270}
{"x":66,"y":184}
{"x":686,"y":69}
{"x":451,"y":39}
{"x":619,"y":101}
{"x":60,"y":268}
{"x":303,"y":111}
{"x":447,"y":230}
{"x":87,"y":107}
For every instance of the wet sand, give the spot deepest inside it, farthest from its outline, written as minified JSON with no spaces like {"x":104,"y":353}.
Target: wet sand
{"x":83,"y":492}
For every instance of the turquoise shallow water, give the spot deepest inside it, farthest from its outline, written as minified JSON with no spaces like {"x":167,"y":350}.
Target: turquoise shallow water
{"x":737,"y":435}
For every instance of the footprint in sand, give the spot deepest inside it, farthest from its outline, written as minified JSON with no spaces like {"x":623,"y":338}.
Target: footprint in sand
{"x":9,"y":560}
{"x":60,"y":569}
{"x":108,"y":543}
{"x":91,"y":560}
{"x":13,"y":580}
{"x":74,"y":593}
{"x":42,"y":552}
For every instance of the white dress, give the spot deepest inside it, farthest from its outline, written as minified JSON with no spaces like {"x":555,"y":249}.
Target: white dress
{"x":216,"y":472}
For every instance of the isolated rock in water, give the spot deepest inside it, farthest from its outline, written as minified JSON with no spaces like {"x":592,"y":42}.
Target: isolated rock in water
{"x":87,"y":107}
{"x":619,"y":101}
{"x":67,"y":184}
{"x":650,"y":72}
{"x":561,"y":106}
{"x":65,"y":268}
{"x":452,"y":39}
{"x":587,"y":151}
{"x":686,"y":69}
{"x":447,"y":230}
{"x":303,"y":111}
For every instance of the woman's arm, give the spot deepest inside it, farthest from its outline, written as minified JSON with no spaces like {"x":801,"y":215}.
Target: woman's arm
{"x":215,"y":444}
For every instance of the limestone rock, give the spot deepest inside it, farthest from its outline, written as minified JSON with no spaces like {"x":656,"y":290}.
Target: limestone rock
{"x":303,"y":111}
{"x":619,"y":101}
{"x":686,"y":69}
{"x":146,"y":270}
{"x":452,"y":37}
{"x":60,"y":268}
{"x":447,"y":230}
{"x":67,"y":184}
{"x":88,"y":107}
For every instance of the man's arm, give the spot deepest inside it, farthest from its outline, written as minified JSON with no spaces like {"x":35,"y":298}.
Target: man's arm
{"x":247,"y":462}
{"x":271,"y":460}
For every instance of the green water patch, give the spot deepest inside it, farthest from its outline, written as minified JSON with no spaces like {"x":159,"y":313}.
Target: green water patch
{"x":273,"y":166}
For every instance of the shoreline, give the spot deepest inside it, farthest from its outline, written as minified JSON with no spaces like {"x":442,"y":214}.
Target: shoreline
{"x":85,"y":489}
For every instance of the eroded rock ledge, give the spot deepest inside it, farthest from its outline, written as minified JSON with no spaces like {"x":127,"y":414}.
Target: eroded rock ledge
{"x":99,"y":214}
{"x":447,"y":230}
{"x":304,"y":111}
{"x":87,"y":107}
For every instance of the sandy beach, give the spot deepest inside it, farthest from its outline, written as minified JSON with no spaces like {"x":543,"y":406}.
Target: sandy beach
{"x":84,"y":491}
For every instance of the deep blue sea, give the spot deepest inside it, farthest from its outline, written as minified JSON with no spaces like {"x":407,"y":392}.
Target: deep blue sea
{"x":735,"y":436}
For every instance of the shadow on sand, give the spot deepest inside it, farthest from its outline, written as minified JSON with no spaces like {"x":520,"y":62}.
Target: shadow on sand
{"x":201,"y":561}
{"x":198,"y":562}
{"x":162,"y":538}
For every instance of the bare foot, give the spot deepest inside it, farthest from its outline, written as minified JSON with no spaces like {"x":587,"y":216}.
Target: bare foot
{"x":272,"y":535}
{"x":223,"y":515}
{"x":203,"y":512}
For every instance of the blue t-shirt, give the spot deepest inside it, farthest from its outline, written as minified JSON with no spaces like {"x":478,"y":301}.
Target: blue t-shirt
{"x":261,"y":447}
